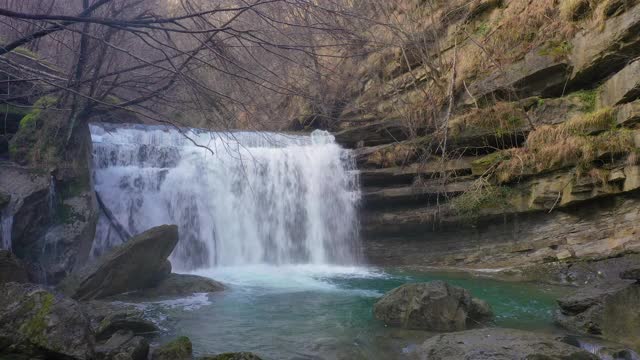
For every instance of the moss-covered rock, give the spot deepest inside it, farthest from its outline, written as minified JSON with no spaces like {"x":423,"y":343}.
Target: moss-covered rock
{"x":40,"y":136}
{"x":178,"y":349}
{"x":35,"y":322}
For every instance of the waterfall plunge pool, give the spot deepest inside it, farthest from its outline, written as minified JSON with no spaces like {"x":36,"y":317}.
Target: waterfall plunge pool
{"x":279,"y":200}
{"x":325,"y":312}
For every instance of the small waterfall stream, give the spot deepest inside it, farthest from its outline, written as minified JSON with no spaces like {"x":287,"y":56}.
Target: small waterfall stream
{"x":261,"y":198}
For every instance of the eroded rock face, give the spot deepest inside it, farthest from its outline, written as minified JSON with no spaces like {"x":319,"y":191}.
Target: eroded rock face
{"x":11,"y":269}
{"x":609,"y":310}
{"x":435,"y":306}
{"x":137,"y":264}
{"x":631,"y":274}
{"x":35,"y":322}
{"x":499,"y":344}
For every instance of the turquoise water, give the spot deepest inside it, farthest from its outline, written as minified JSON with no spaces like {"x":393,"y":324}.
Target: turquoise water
{"x":317,"y":312}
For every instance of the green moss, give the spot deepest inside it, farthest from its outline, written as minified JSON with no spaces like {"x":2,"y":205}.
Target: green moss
{"x":483,"y":29}
{"x":38,"y":139}
{"x":35,"y":327}
{"x":480,"y":166}
{"x":556,"y":49}
{"x":588,"y":99}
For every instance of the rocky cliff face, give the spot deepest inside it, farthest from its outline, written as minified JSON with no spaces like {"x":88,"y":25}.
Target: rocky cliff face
{"x":522,"y":147}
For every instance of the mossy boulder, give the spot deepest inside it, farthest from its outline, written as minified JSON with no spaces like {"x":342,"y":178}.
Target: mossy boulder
{"x":39,"y":139}
{"x":178,"y":349}
{"x":39,"y":324}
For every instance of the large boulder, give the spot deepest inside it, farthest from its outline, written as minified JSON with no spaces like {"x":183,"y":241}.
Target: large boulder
{"x":499,"y":344}
{"x":435,"y":306}
{"x":607,"y":310}
{"x":11,"y":269}
{"x":39,"y":324}
{"x":178,"y":349}
{"x":137,"y":264}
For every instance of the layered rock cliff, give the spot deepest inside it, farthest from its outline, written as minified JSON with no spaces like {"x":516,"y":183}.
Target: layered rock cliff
{"x":507,"y":136}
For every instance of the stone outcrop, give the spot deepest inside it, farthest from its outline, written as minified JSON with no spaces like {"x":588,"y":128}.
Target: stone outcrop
{"x":137,"y":264}
{"x":11,"y":268}
{"x":53,"y":219}
{"x":622,"y":87}
{"x":499,"y":344}
{"x":608,"y":310}
{"x":434,"y":306}
{"x":178,"y":349}
{"x":35,"y":323}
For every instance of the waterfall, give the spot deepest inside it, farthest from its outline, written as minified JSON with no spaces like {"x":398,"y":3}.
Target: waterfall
{"x":260,"y":198}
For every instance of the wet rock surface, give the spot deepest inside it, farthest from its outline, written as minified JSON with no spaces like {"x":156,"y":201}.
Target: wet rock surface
{"x":608,"y":310}
{"x":145,"y":255}
{"x":11,"y":268}
{"x":434,"y":306}
{"x":499,"y":344}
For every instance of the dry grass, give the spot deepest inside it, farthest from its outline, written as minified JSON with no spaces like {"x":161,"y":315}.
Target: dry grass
{"x":594,"y":122}
{"x":573,"y":10}
{"x":395,"y":155}
{"x":500,"y":118}
{"x":553,"y":149}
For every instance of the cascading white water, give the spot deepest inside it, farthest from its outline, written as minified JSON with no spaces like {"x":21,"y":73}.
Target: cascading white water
{"x":261,"y":198}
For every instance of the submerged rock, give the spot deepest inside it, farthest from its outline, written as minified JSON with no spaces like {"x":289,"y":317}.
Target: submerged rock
{"x":609,"y":310}
{"x":499,"y":344}
{"x":137,"y":264}
{"x":38,"y":324}
{"x":11,"y":269}
{"x":435,"y":306}
{"x":178,"y":349}
{"x":180,"y":285}
{"x":232,"y":356}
